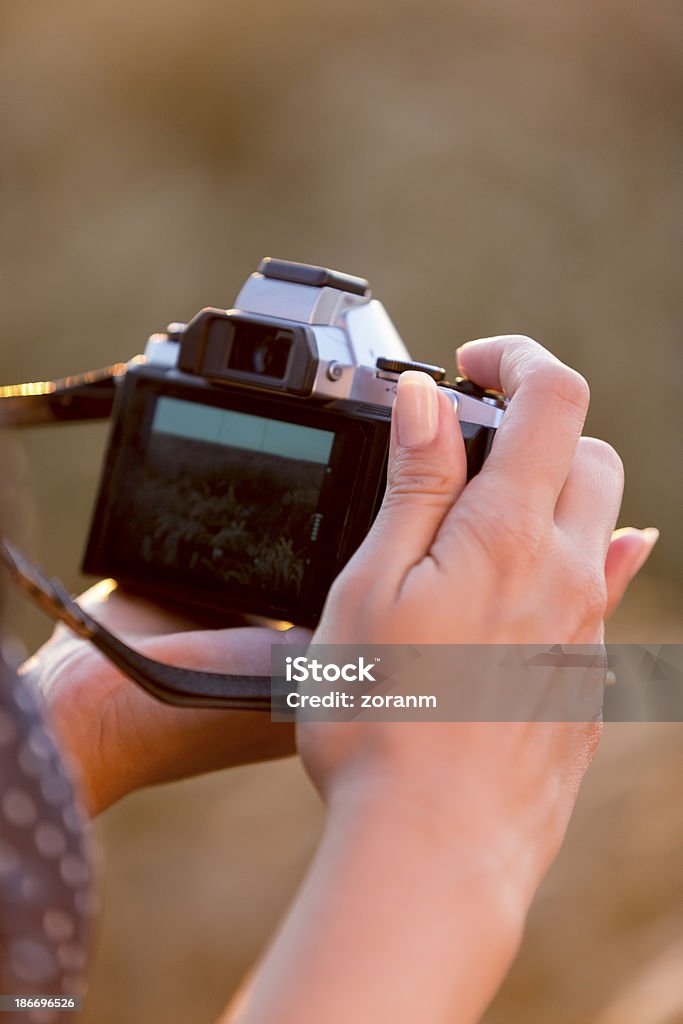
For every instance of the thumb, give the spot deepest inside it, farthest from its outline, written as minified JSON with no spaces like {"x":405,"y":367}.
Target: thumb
{"x":427,"y":471}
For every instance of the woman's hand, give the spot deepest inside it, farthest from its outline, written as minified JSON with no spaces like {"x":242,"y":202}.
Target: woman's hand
{"x":517,"y":556}
{"x":524,"y":554}
{"x":439,"y":833}
{"x":119,"y":737}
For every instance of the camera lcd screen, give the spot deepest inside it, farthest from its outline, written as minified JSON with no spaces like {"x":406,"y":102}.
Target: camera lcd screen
{"x":225,"y":499}
{"x":230,"y":428}
{"x":229,"y":499}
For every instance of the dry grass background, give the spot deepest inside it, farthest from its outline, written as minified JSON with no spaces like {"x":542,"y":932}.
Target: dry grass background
{"x":490,"y":167}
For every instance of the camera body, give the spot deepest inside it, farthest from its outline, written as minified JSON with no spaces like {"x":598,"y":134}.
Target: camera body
{"x":248,"y":448}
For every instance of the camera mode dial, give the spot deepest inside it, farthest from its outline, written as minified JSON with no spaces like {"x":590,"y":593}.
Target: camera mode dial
{"x":399,"y":366}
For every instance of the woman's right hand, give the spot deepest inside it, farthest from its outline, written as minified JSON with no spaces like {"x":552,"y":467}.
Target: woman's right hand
{"x":523,"y":554}
{"x":516,"y":556}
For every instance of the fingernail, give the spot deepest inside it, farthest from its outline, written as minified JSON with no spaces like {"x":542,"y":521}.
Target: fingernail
{"x":417,"y":409}
{"x":650,"y":536}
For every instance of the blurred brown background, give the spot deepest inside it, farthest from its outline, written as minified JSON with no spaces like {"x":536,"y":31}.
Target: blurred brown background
{"x":491,"y":167}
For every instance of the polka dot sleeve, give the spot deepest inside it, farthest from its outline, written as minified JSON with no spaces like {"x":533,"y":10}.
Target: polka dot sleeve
{"x":46,"y":884}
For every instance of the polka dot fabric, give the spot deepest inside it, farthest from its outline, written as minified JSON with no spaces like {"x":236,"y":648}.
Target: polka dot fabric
{"x":46,"y":884}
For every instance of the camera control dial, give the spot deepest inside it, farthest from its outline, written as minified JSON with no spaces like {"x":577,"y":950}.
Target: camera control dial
{"x":400,"y":366}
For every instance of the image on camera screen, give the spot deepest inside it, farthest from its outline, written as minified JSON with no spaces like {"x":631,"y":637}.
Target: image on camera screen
{"x":226,"y":497}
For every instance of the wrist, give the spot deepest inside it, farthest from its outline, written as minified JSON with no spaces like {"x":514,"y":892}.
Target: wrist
{"x":415,"y":881}
{"x":447,"y":831}
{"x":496,"y":793}
{"x":440,"y":926}
{"x":77,"y":731}
{"x":98,"y":784}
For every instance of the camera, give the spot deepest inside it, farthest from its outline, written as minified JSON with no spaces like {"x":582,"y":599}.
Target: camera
{"x":248,"y":448}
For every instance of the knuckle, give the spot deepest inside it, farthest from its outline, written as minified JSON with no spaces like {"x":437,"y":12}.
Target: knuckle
{"x":604,"y":455}
{"x":523,"y":358}
{"x":412,"y":475}
{"x":521,"y":344}
{"x":518,"y":351}
{"x":565,"y":386}
{"x":518,"y":538}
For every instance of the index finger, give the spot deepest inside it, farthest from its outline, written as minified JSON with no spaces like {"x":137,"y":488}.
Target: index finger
{"x":537,"y":438}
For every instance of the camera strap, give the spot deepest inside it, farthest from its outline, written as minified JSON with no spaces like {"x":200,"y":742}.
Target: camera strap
{"x":84,"y":396}
{"x":168,"y":683}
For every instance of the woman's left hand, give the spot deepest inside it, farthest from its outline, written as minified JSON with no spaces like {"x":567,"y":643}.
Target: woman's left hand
{"x":122,"y":739}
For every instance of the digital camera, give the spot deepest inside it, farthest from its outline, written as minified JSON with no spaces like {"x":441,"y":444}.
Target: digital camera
{"x":248,"y":448}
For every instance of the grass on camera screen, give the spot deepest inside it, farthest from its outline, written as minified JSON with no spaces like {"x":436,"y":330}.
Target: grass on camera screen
{"x":225,"y":497}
